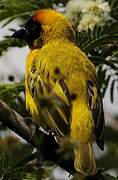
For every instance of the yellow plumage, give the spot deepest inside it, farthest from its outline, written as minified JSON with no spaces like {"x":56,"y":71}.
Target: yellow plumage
{"x":61,"y":88}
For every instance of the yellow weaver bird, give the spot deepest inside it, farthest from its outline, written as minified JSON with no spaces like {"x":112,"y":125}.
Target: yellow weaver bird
{"x":61,"y":86}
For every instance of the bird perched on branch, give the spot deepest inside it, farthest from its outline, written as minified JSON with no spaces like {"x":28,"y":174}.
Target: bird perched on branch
{"x":62,"y":93}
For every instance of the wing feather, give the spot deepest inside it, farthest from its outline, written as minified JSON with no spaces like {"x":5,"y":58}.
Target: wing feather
{"x":96,"y":106}
{"x":50,"y":105}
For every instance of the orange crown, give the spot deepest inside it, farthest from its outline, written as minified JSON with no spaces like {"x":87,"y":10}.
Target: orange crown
{"x":46,"y":16}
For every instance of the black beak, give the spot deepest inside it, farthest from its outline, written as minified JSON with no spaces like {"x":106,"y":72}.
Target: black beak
{"x":20,"y":34}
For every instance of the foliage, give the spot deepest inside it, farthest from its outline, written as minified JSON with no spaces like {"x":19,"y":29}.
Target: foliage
{"x":25,"y":168}
{"x":13,"y":94}
{"x":101,"y":46}
{"x":9,"y":42}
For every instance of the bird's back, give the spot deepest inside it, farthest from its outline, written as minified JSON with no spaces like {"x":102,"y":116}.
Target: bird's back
{"x":64,"y":60}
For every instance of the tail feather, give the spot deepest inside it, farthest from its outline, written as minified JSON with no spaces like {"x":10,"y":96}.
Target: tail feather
{"x":84,"y":159}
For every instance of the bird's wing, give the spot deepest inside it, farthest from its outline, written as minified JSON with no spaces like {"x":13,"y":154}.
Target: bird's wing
{"x":96,"y":106}
{"x":52,"y":101}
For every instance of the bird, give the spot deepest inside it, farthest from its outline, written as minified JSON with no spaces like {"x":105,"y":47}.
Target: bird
{"x":62,"y":91}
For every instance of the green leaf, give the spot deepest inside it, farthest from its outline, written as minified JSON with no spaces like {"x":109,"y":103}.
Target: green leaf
{"x":20,"y":15}
{"x":11,"y":94}
{"x":109,"y":177}
{"x":97,"y":37}
{"x":112,"y":90}
{"x":115,"y":54}
{"x":105,"y":85}
{"x":10,"y":42}
{"x":101,"y":75}
{"x":11,"y":9}
{"x":97,"y":60}
{"x":103,"y":40}
{"x":8,"y":92}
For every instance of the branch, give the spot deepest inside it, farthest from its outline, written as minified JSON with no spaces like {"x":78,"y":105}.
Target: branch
{"x":48,"y":147}
{"x":16,"y":123}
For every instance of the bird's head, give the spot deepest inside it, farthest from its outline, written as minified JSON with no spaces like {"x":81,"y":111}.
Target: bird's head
{"x":44,"y":26}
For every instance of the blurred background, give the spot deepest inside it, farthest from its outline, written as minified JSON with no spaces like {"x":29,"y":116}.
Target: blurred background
{"x":91,"y":19}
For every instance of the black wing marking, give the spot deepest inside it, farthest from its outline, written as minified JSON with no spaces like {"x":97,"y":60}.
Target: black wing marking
{"x":65,"y":90}
{"x":55,"y":110}
{"x":96,"y":106}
